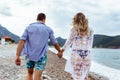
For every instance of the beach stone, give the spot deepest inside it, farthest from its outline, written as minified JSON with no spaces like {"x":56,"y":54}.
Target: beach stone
{"x":54,"y":68}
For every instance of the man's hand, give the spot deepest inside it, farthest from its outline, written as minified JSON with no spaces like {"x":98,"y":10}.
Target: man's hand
{"x":60,"y":54}
{"x":18,"y":61}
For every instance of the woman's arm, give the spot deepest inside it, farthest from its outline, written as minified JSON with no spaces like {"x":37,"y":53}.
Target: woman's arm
{"x":69,"y":41}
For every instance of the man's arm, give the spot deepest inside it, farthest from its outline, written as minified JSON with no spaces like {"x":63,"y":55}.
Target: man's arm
{"x":19,"y":49}
{"x":55,"y":43}
{"x":57,"y":47}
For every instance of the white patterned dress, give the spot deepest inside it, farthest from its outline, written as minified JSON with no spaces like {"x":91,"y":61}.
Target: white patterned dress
{"x":79,"y":62}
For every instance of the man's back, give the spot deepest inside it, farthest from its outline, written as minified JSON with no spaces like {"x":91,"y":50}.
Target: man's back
{"x":36,"y":36}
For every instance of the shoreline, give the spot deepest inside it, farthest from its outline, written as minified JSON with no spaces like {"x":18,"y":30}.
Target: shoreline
{"x":54,"y":68}
{"x":91,"y":75}
{"x":111,"y":73}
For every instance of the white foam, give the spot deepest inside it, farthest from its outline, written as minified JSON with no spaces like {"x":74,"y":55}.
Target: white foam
{"x":112,"y":74}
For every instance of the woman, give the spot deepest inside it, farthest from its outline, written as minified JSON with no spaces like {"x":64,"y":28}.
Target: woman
{"x":80,"y":42}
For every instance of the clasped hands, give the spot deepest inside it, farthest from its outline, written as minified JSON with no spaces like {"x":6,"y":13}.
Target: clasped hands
{"x":60,"y":54}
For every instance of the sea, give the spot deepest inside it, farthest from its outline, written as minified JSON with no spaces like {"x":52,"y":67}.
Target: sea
{"x":107,"y":57}
{"x":105,"y":62}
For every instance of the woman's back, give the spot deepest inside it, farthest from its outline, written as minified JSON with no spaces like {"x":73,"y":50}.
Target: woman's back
{"x":82,"y":42}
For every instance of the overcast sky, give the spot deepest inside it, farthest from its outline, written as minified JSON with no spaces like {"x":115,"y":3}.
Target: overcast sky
{"x":103,"y":15}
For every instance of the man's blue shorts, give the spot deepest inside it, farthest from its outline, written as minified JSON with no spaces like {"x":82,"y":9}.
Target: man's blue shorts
{"x":39,"y":65}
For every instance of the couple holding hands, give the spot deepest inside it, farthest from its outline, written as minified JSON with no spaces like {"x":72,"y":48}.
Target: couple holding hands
{"x":34,"y":43}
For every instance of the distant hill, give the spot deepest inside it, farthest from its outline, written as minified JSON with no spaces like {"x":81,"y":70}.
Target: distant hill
{"x":100,"y":41}
{"x":5,"y":32}
{"x":106,"y":41}
{"x":60,"y":40}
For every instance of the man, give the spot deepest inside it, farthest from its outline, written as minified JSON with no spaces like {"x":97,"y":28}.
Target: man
{"x":33,"y":44}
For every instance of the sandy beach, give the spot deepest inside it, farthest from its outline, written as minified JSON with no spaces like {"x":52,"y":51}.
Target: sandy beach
{"x":54,"y":69}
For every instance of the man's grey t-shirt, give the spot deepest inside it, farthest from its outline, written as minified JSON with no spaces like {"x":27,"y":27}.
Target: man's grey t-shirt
{"x":36,"y":37}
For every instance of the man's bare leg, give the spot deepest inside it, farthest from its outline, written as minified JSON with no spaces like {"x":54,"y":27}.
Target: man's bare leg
{"x":30,"y":74}
{"x":38,"y":75}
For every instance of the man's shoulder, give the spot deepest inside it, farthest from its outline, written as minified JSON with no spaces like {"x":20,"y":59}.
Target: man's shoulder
{"x":30,"y":24}
{"x":48,"y":28}
{"x":35,"y":24}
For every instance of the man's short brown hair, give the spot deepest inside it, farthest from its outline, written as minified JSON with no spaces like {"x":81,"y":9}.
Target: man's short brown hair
{"x":41,"y":16}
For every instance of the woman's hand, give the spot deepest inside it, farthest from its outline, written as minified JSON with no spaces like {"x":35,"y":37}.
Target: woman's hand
{"x":60,"y":54}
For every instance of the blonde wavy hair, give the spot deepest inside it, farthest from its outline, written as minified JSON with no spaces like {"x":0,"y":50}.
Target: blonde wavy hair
{"x":80,"y":24}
